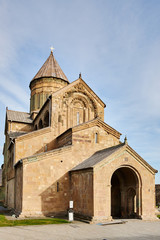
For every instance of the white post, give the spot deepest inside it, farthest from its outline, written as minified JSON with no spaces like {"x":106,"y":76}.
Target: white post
{"x":70,"y":211}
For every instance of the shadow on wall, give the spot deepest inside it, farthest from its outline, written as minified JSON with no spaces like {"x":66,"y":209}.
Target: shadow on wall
{"x":55,"y":199}
{"x":2,"y":194}
{"x":47,"y":147}
{"x":157,"y":190}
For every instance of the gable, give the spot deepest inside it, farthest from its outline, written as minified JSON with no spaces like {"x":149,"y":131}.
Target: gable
{"x":85,"y":133}
{"x":97,"y":122}
{"x":79,"y":96}
{"x":79,"y":85}
{"x":73,"y":105}
{"x":104,"y":157}
{"x":17,"y":121}
{"x":126,"y":156}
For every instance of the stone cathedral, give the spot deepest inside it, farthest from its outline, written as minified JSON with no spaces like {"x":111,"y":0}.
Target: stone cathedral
{"x":63,"y":150}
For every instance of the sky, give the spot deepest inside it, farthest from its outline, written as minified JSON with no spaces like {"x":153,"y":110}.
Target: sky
{"x":114,"y":44}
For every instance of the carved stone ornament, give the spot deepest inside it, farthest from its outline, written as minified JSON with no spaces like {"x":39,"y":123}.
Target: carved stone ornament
{"x":79,"y":87}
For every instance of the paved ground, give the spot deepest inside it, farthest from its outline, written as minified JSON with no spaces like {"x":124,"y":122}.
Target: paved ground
{"x":132,"y":230}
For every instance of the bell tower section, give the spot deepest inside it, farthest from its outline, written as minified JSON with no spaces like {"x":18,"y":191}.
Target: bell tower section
{"x":48,"y":80}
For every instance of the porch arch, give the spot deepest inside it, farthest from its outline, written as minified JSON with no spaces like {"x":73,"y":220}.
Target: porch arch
{"x":125,"y":193}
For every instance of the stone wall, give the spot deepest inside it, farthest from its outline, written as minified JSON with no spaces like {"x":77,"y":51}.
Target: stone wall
{"x":82,"y":193}
{"x":65,"y":139}
{"x":46,"y":183}
{"x":10,"y":163}
{"x":2,"y":194}
{"x":46,"y":180}
{"x":33,"y":143}
{"x":157,"y":188}
{"x":19,"y":127}
{"x":87,"y":137}
{"x":10,"y":193}
{"x":18,"y":187}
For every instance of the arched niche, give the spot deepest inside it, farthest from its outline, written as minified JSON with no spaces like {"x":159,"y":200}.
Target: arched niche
{"x":46,"y":119}
{"x":82,"y":109}
{"x":40,"y":125}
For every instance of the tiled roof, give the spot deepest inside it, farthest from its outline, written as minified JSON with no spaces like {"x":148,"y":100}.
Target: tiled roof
{"x":16,"y":134}
{"x":19,"y":116}
{"x":97,"y":157}
{"x":51,"y":69}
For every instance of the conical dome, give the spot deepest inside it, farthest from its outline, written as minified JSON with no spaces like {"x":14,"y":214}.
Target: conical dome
{"x":51,"y":68}
{"x":49,"y":79}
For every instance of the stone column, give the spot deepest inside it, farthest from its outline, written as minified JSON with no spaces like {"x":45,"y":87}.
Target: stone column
{"x":109,"y":201}
{"x":123,"y":203}
{"x":138,"y":201}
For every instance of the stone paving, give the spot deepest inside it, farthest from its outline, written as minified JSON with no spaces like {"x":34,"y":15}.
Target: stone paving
{"x":132,"y":230}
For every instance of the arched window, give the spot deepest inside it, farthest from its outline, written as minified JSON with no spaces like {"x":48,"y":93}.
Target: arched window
{"x":78,"y":111}
{"x":46,"y":119}
{"x":77,"y":118}
{"x":40,"y":124}
{"x":96,"y":137}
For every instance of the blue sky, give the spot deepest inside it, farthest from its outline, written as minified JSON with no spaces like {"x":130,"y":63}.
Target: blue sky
{"x":114,"y":44}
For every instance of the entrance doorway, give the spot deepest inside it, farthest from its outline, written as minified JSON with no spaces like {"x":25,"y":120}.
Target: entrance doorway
{"x":125,"y":194}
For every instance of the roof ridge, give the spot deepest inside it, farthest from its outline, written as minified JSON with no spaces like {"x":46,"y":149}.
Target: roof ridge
{"x":105,"y":149}
{"x":97,"y":157}
{"x":16,"y":116}
{"x":18,"y":111}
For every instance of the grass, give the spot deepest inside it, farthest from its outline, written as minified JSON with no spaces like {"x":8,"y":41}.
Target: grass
{"x":9,"y":223}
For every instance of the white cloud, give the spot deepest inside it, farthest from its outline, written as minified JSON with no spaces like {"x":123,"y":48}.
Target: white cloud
{"x":11,"y":103}
{"x":18,"y":92}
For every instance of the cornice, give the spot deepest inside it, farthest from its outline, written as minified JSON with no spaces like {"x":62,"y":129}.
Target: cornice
{"x":46,"y":155}
{"x":140,"y":159}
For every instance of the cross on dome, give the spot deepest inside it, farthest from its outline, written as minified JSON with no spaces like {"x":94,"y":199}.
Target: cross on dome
{"x":52,"y":48}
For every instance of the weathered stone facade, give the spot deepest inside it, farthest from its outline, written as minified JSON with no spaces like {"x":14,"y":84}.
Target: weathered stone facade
{"x":63,"y":150}
{"x":158,"y":195}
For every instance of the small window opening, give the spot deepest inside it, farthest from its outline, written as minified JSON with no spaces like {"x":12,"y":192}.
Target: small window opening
{"x":77,"y":118}
{"x":57,"y":186}
{"x":45,"y":148}
{"x":96,"y":137}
